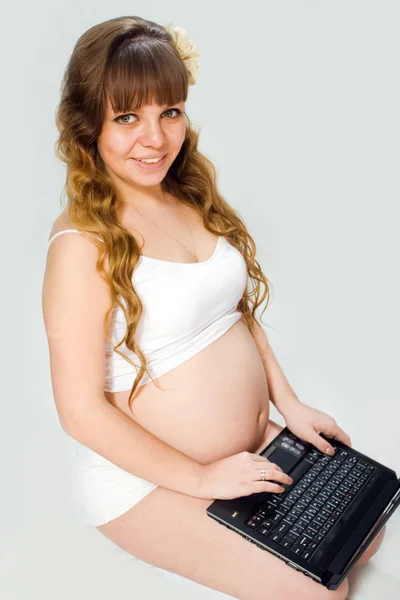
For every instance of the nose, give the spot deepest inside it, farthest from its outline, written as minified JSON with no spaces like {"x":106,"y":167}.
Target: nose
{"x":152,"y":134}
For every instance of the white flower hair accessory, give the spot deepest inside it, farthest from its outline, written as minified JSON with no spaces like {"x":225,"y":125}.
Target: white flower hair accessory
{"x":186,"y":49}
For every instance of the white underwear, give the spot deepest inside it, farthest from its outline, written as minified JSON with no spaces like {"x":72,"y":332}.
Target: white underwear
{"x":102,"y":490}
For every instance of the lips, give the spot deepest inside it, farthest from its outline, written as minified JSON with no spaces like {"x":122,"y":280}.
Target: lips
{"x":149,"y":157}
{"x":152,"y":166}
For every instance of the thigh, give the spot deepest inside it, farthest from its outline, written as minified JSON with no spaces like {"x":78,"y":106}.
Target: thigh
{"x":173,"y":532}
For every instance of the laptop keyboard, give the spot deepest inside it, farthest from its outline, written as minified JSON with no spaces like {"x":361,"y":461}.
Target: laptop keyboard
{"x":300,"y":518}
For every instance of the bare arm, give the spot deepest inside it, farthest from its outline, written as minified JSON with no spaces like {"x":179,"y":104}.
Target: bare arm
{"x":125,"y":443}
{"x":260,"y":337}
{"x":74,"y":300}
{"x":281,"y":393}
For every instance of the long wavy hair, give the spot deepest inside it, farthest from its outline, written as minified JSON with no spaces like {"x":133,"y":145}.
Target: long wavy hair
{"x":133,"y":62}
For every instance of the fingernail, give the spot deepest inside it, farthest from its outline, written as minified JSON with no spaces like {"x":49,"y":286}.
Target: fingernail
{"x":329,"y":451}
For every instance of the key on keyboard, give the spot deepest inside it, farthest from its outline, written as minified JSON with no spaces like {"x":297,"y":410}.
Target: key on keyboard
{"x":323,"y":487}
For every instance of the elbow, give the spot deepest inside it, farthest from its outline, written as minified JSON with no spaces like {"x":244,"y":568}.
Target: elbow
{"x":73,"y":422}
{"x":77,"y":422}
{"x":69,"y":425}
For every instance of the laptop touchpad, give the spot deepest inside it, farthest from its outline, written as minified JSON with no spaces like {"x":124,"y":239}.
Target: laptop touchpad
{"x":283,"y":459}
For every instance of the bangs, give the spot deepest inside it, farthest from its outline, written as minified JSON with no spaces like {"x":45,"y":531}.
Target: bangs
{"x":145,"y":72}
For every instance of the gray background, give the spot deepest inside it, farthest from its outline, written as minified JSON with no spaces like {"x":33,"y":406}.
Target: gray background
{"x":298,"y":106}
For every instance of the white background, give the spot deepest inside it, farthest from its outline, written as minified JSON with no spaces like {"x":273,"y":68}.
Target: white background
{"x":298,"y":106}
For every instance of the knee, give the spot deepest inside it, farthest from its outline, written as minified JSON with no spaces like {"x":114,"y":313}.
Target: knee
{"x":320,"y":592}
{"x":372,"y":548}
{"x":342,"y":591}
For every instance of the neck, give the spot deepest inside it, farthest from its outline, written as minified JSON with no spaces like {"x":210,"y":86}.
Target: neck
{"x":152,"y":200}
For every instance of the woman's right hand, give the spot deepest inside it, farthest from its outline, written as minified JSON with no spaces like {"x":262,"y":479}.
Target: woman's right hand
{"x":239,"y":475}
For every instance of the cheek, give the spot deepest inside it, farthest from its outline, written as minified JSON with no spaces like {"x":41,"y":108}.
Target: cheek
{"x":177,"y":136}
{"x":114,"y":145}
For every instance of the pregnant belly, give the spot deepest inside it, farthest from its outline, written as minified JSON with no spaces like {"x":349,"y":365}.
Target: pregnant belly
{"x":213,"y":405}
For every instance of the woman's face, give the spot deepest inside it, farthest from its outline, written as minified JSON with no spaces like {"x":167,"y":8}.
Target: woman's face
{"x":151,"y":131}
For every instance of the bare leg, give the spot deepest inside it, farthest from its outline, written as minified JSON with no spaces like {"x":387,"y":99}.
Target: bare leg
{"x":372,"y":548}
{"x":173,"y":532}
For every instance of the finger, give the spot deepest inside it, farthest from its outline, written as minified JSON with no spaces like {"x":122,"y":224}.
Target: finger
{"x":258,"y":458}
{"x":273,"y":475}
{"x":267,"y":486}
{"x":333,"y":431}
{"x":275,"y":466}
{"x":319,"y":442}
{"x":342,"y":436}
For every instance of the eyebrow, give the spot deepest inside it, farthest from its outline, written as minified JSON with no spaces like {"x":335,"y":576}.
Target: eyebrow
{"x":163,"y":107}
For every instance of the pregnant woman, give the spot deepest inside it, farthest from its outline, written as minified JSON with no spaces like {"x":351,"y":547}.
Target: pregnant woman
{"x":161,"y":373}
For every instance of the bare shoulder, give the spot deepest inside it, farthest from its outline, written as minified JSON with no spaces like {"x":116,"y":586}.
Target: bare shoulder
{"x":79,"y":239}
{"x":61,"y":222}
{"x":71,"y":263}
{"x":75,"y":299}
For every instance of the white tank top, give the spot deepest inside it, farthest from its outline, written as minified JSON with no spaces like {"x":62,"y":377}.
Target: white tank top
{"x":186,"y":307}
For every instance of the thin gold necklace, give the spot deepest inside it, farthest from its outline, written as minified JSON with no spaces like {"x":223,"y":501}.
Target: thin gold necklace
{"x":165,"y":231}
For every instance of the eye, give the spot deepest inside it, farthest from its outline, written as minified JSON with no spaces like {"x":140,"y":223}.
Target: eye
{"x":177,"y":110}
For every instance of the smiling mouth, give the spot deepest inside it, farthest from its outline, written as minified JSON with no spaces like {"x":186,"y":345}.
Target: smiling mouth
{"x":150,"y":160}
{"x":151,"y":165}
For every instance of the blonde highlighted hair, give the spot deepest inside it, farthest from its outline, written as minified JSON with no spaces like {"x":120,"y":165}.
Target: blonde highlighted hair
{"x":132,"y":62}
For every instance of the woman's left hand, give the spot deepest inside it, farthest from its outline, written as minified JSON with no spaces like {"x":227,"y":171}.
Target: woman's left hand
{"x":307,"y":423}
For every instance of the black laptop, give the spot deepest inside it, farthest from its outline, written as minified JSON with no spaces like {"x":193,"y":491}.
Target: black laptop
{"x":322,"y":522}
